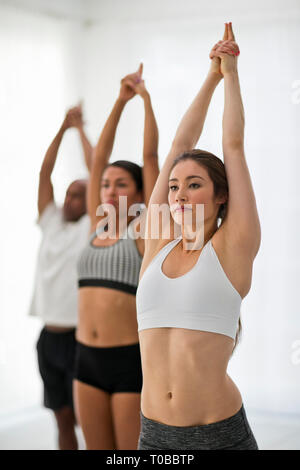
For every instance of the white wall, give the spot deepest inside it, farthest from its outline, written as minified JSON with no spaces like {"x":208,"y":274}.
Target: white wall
{"x":50,"y":62}
{"x":40,"y":78}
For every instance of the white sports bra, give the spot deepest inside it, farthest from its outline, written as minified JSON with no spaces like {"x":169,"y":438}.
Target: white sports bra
{"x":201,"y":299}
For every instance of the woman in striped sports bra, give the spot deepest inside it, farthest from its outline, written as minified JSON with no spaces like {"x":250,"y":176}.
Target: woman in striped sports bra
{"x":191,"y":287}
{"x":108,"y":375}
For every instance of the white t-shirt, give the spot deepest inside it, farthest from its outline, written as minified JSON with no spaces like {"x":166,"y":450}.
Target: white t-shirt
{"x":55,"y":291}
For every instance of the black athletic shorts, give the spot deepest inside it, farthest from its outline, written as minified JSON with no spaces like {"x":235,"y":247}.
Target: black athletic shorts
{"x":56,"y":355}
{"x":112,"y":369}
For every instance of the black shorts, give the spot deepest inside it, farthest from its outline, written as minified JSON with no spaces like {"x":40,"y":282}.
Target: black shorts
{"x":56,"y":355}
{"x":112,"y":369}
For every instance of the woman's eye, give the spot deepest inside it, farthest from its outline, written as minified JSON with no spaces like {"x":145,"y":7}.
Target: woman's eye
{"x":193,"y":185}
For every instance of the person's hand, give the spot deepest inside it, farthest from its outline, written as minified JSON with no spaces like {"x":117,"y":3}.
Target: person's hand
{"x":73,"y":118}
{"x":227,"y":51}
{"x":127,"y":91}
{"x":215,"y":66}
{"x":138,"y":86}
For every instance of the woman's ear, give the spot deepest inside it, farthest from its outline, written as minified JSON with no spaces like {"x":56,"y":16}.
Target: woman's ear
{"x":222,"y":199}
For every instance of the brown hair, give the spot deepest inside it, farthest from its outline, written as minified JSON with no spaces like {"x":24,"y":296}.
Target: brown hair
{"x":133,"y":168}
{"x":216,"y":171}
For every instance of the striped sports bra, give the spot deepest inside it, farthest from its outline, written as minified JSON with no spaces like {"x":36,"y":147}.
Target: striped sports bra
{"x":116,"y":266}
{"x":201,"y":299}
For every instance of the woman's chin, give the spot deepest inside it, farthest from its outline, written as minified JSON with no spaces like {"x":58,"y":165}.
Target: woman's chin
{"x":178,"y":219}
{"x":182,"y":218}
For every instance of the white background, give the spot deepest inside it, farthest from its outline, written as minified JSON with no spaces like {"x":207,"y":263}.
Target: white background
{"x":54,"y":53}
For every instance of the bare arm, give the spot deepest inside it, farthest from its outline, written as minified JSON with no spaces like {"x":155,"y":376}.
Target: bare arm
{"x":87,"y":147}
{"x":45,"y":192}
{"x":101,"y":157}
{"x":242,"y":224}
{"x":233,"y":116}
{"x":104,"y":147}
{"x":187,"y":135}
{"x":150,"y":150}
{"x":190,"y":127}
{"x":76,"y":120}
{"x":186,"y":138}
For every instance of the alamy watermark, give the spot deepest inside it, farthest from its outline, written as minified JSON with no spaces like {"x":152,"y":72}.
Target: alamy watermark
{"x":296,"y":93}
{"x":185,"y":219}
{"x":3,"y":353}
{"x":295,"y":357}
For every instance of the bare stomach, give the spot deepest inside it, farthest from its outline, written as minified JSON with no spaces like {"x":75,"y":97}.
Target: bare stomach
{"x":58,"y":329}
{"x":107,"y":317}
{"x":184,"y":377}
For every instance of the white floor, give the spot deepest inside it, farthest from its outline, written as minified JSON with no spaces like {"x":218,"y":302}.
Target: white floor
{"x":34,"y":429}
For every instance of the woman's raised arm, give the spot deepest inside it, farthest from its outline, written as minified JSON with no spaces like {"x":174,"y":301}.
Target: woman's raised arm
{"x":241,"y":226}
{"x":150,"y":149}
{"x":104,"y":147}
{"x":186,"y":138}
{"x":189,"y":129}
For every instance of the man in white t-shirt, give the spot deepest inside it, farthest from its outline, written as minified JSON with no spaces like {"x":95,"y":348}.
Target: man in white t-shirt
{"x":65,"y":232}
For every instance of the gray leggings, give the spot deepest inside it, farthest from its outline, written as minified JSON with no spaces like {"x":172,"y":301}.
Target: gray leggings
{"x":232,"y":433}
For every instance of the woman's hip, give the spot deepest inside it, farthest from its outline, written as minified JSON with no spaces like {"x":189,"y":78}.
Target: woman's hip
{"x":233,"y":433}
{"x":112,"y":369}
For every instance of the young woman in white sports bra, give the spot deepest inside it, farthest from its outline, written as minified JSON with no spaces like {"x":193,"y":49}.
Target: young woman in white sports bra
{"x":189,"y":294}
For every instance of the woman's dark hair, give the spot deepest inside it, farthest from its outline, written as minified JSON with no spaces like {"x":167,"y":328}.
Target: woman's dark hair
{"x":216,"y":171}
{"x":132,"y":168}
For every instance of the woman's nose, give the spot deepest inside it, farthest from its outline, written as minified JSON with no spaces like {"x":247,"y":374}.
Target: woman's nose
{"x":111,"y":190}
{"x":180,"y":197}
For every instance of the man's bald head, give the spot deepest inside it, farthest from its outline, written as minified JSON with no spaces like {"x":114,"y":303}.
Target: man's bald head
{"x":75,"y":201}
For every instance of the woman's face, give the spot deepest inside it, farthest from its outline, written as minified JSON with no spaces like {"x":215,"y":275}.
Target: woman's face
{"x":190,"y":184}
{"x":118,"y":182}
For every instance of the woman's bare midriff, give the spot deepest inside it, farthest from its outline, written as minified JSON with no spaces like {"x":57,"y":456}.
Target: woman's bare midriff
{"x":59,"y":329}
{"x":107,"y":317}
{"x":185,"y":382}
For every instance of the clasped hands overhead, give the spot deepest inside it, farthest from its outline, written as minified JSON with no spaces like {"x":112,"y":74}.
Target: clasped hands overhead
{"x":225,"y":52}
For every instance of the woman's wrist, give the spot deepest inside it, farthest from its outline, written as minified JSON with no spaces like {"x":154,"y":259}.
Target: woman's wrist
{"x":121,"y":101}
{"x":80,"y":128}
{"x":145,"y":96}
{"x":231,"y":73}
{"x":63,"y":128}
{"x":216,"y":76}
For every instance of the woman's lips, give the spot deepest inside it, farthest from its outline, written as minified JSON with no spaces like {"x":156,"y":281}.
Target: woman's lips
{"x":182,"y":209}
{"x":111,"y":201}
